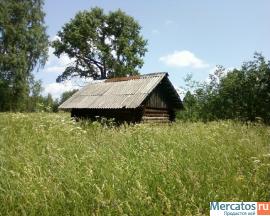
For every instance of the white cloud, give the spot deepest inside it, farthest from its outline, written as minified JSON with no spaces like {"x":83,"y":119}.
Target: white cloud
{"x":55,"y":69}
{"x":65,"y":60}
{"x":55,"y":64}
{"x":183,"y":58}
{"x":56,"y":89}
{"x":51,"y":55}
{"x":168,"y":22}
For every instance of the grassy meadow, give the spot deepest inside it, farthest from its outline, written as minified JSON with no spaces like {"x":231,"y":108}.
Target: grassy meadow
{"x":51,"y":165}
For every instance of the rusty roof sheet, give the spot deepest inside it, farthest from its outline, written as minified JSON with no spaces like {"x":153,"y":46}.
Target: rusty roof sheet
{"x":114,"y":95}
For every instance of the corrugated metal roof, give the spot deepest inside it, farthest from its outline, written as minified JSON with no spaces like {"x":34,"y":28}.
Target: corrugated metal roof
{"x":114,"y":95}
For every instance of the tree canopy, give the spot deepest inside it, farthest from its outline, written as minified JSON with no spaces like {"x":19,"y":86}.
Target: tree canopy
{"x":242,"y":94}
{"x":101,"y":45}
{"x":23,"y":46}
{"x":66,"y":95}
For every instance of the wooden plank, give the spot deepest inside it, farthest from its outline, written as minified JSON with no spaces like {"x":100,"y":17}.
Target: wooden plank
{"x":157,"y":115}
{"x":154,"y":118}
{"x":156,"y":111}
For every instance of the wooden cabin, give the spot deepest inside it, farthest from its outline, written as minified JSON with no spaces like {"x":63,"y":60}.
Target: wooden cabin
{"x":145,"y":98}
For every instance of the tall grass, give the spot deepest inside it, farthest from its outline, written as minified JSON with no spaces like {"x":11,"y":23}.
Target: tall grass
{"x":50,"y":165}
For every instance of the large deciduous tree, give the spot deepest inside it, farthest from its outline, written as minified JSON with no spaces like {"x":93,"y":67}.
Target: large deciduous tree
{"x":23,"y":46}
{"x":101,"y":45}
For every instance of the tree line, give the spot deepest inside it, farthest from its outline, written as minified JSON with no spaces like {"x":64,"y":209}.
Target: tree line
{"x":39,"y":103}
{"x":240,"y":94}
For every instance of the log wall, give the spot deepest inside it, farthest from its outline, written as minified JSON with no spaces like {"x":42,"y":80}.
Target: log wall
{"x":119,"y":115}
{"x":156,"y":115}
{"x":156,"y":108}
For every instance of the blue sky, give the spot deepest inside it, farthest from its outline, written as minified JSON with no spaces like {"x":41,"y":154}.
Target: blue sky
{"x":183,"y":36}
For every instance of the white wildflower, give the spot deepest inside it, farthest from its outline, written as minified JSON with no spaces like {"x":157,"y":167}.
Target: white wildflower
{"x":266,"y":155}
{"x":256,"y":161}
